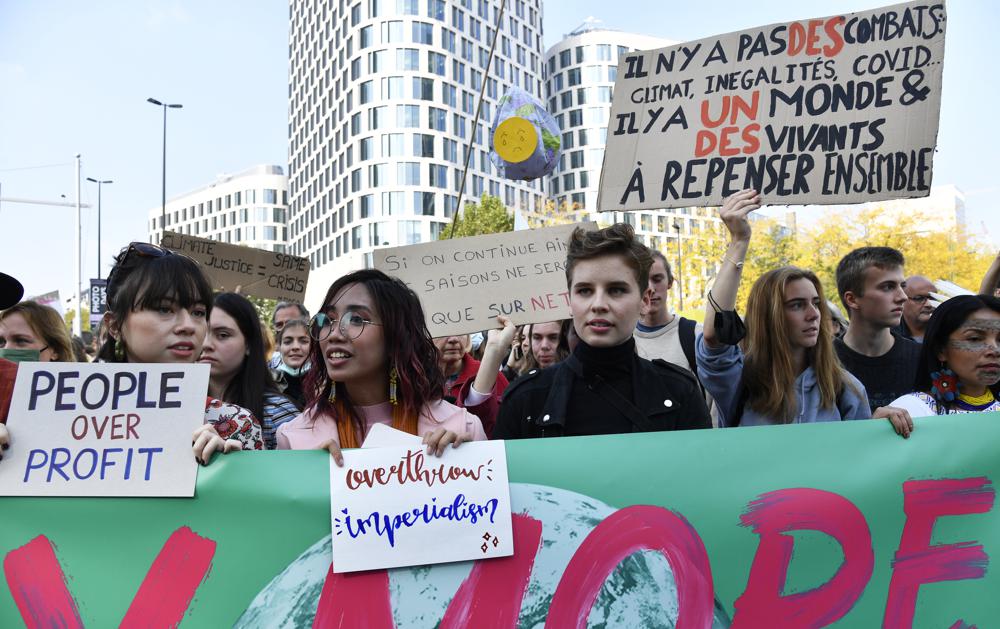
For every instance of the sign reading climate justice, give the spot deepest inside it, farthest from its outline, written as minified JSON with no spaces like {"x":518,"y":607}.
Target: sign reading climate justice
{"x":465,"y":283}
{"x":103,"y":430}
{"x":256,"y":272}
{"x":397,"y":506}
{"x":841,"y":109}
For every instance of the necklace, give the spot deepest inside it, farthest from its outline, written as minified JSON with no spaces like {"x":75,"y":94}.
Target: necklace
{"x":981,"y":400}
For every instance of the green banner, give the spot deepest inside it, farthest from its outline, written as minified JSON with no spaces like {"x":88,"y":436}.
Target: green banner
{"x":789,"y":526}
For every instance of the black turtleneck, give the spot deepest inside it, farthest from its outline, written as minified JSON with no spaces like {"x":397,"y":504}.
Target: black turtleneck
{"x":589,"y":411}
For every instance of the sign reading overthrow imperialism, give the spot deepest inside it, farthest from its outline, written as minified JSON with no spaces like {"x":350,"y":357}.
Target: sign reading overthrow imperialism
{"x":465,"y":283}
{"x":842,"y":109}
{"x":842,"y":524}
{"x":256,"y":272}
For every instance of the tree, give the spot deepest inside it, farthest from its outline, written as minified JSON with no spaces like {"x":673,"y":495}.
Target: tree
{"x":69,"y":315}
{"x":489,"y":216}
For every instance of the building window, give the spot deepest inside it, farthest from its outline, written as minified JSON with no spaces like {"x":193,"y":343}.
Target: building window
{"x":377,"y":61}
{"x":409,"y":232}
{"x":408,"y":174}
{"x":379,"y":233}
{"x":392,"y":32}
{"x":406,"y":7}
{"x":376,"y":117}
{"x":436,"y":118}
{"x":376,"y":175}
{"x":407,"y":59}
{"x":392,"y":88}
{"x":603,"y":52}
{"x":423,"y":89}
{"x":438,"y":175}
{"x":423,"y":202}
{"x":392,"y":204}
{"x":423,"y":145}
{"x":367,"y":207}
{"x":423,"y":33}
{"x":407,"y":115}
{"x":365,"y":37}
{"x":270,"y":196}
{"x":392,"y":145}
{"x":365,"y":93}
{"x":575,"y":117}
{"x":565,"y":58}
{"x":435,"y":9}
{"x":450,"y":150}
{"x":573,"y":77}
{"x":435,"y":63}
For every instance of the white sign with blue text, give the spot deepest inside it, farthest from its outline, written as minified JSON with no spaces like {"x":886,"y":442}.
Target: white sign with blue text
{"x":103,"y":430}
{"x":398,"y":506}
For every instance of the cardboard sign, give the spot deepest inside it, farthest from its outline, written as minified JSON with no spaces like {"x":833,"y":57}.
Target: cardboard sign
{"x":465,"y":283}
{"x":394,"y":506}
{"x":256,"y":272}
{"x":841,"y":109}
{"x":98,"y":301}
{"x":102,"y":429}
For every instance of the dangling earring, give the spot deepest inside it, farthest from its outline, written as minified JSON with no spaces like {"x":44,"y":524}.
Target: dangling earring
{"x":393,"y":381}
{"x":944,"y":385}
{"x":119,"y":350}
{"x":332,"y":397}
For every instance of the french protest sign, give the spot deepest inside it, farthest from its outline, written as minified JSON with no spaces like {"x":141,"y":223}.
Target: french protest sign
{"x":256,"y":272}
{"x":397,"y":506}
{"x":840,"y":524}
{"x":81,"y":429}
{"x":842,"y":109}
{"x":464,"y":283}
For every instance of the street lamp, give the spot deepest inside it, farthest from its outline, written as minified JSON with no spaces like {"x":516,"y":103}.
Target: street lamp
{"x":99,"y":184}
{"x":680,"y":263}
{"x":163,"y":211}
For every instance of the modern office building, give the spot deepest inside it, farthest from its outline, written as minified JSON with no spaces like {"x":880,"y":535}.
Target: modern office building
{"x":248,"y":208}
{"x":382,"y":96}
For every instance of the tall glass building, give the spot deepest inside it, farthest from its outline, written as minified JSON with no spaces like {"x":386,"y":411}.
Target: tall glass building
{"x":382,"y":96}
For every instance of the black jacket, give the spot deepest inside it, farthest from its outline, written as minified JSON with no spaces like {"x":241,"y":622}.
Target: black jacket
{"x":665,"y":397}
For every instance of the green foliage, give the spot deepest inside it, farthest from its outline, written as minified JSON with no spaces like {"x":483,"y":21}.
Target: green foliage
{"x":489,"y":216}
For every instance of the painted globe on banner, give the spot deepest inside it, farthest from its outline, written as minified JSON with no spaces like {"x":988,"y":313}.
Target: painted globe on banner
{"x":525,"y":139}
{"x":640,"y":592}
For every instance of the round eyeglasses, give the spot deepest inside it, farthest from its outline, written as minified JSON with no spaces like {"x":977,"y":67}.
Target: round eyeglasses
{"x":351,"y":325}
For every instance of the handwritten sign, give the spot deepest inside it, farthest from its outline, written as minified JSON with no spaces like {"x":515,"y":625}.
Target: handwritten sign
{"x":397,"y":506}
{"x":465,"y":283}
{"x":841,"y":109}
{"x":256,"y":272}
{"x":103,"y":430}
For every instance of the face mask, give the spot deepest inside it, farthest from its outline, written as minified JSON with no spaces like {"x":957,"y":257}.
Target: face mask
{"x":729,"y":328}
{"x":20,"y":355}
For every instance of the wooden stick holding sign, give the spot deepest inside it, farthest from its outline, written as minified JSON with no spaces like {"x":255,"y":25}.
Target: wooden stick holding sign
{"x":464,"y":283}
{"x":255,"y":272}
{"x":842,"y":109}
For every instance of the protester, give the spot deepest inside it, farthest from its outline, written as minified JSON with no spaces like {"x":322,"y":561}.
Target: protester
{"x":469,"y":383}
{"x":603,"y":387}
{"x":157,"y":312}
{"x":234,"y":348}
{"x":959,"y":369}
{"x":918,"y":308}
{"x":517,"y":357}
{"x":871,"y":287}
{"x":548,"y":344}
{"x":294,"y":344}
{"x":11,"y":292}
{"x":786,"y":370}
{"x":374,"y":363}
{"x":838,"y":322}
{"x":283,"y":312}
{"x":660,"y":333}
{"x":32,"y":326}
{"x":991,"y":281}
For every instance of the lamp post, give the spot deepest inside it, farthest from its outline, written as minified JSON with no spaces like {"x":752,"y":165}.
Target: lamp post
{"x":99,"y":184}
{"x":680,"y":264}
{"x":163,"y":211}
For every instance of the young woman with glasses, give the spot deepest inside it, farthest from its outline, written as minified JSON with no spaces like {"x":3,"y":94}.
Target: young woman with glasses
{"x":158,"y":308}
{"x":374,"y":363}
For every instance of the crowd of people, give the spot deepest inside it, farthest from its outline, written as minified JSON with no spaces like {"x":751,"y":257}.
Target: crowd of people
{"x":622,"y":363}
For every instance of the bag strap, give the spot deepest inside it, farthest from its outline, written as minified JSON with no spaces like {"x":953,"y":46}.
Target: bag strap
{"x":685,"y":329}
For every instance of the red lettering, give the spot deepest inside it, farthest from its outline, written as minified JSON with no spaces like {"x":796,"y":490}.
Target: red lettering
{"x":833,"y":32}
{"x":117,"y":425}
{"x":624,"y":532}
{"x":99,"y":430}
{"x":750,"y":138}
{"x":548,"y":299}
{"x":704,"y":143}
{"x":771,"y":517}
{"x":725,"y":146}
{"x":796,"y":38}
{"x":813,"y":38}
{"x":917,"y":561}
{"x":133,"y":423}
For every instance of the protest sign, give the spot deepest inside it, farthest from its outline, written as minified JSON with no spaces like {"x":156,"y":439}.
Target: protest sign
{"x":50,"y":299}
{"x":842,"y":109}
{"x":840,"y":524}
{"x":395,"y":506}
{"x":100,"y":429}
{"x":98,"y":301}
{"x":464,"y":283}
{"x":255,"y":272}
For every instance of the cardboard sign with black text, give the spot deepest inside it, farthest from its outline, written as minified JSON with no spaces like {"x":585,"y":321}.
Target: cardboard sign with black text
{"x":465,"y":283}
{"x":835,"y":110}
{"x":255,"y":272}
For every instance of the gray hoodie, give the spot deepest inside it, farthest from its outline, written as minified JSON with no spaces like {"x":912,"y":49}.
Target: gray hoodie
{"x":720,"y":370}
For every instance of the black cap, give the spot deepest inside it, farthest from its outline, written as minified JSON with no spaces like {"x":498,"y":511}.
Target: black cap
{"x":11,"y":291}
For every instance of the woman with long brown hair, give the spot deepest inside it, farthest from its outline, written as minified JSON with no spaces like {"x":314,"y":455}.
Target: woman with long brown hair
{"x":374,"y":362}
{"x":785,"y":370}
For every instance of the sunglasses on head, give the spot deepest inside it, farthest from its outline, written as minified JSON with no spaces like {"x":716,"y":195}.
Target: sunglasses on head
{"x":141,"y":249}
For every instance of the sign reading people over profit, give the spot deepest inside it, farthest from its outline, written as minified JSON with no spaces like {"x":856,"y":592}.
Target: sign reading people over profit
{"x":257,"y":272}
{"x":841,"y":109}
{"x":81,"y":429}
{"x":465,"y":283}
{"x":392,"y":506}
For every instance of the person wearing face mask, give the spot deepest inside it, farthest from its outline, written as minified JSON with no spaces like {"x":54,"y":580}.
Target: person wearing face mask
{"x":469,"y":383}
{"x":37,"y":328}
{"x":293,"y":345}
{"x":959,"y":368}
{"x":235,"y":350}
{"x":604,"y":386}
{"x":785,"y":370}
{"x":374,"y":363}
{"x":11,"y":292}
